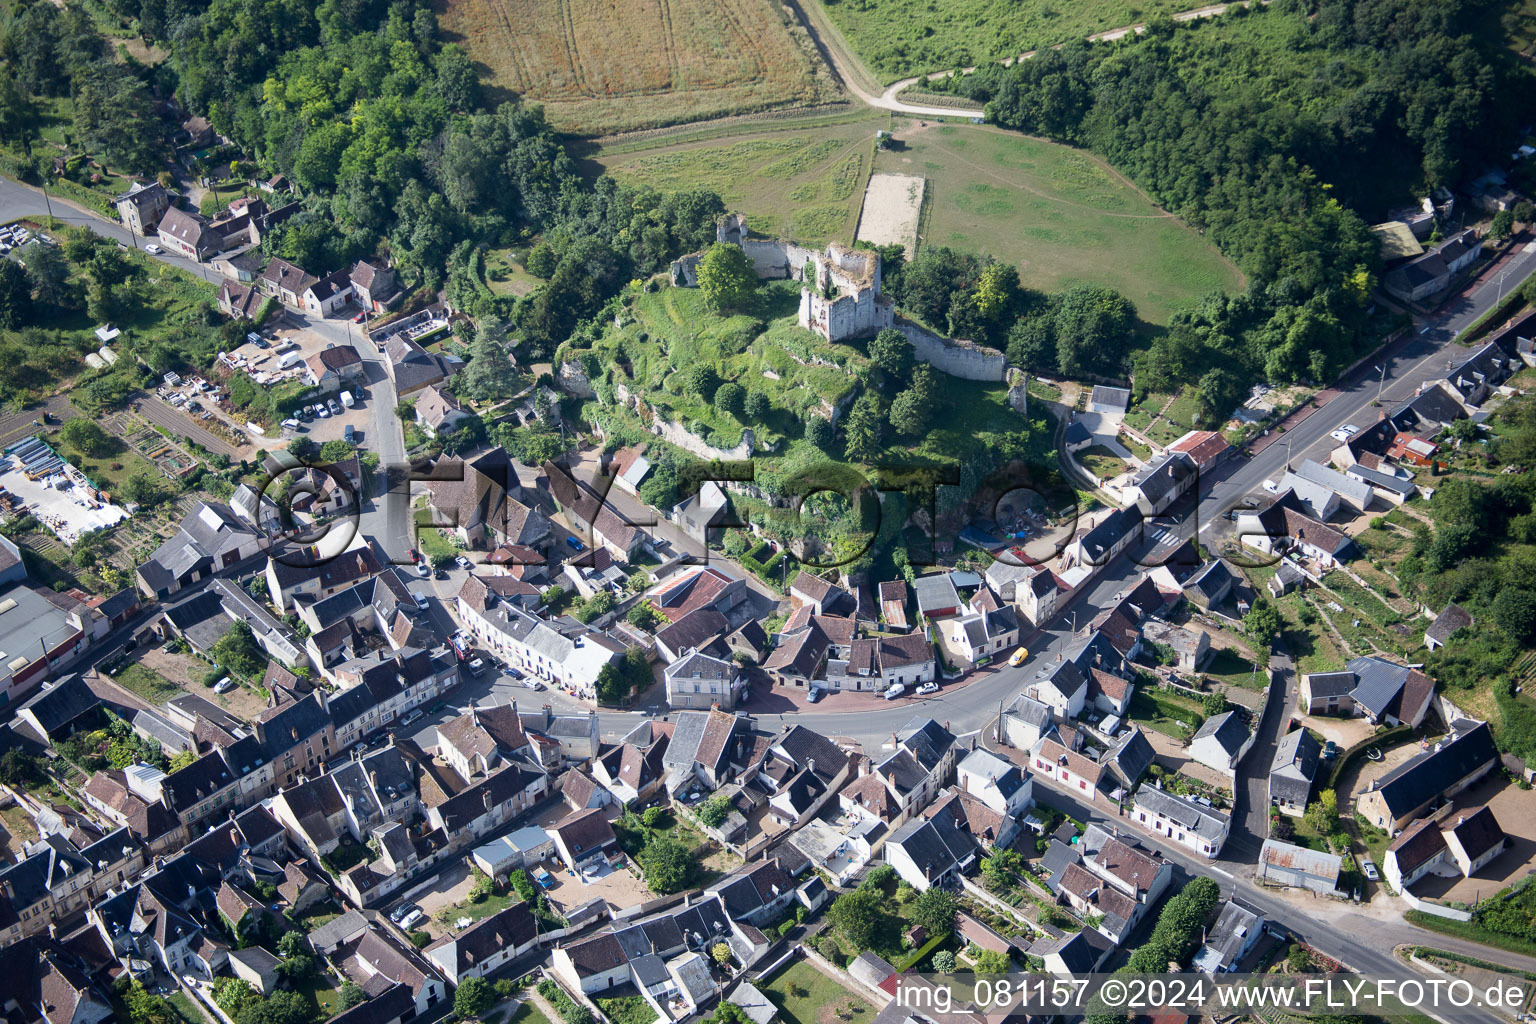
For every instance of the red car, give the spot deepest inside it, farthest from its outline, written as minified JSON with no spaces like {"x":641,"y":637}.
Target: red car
{"x":360,"y":318}
{"x":415,"y":556}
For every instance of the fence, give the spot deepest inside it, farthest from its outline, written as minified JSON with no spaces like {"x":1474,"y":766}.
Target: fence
{"x":1436,"y":909}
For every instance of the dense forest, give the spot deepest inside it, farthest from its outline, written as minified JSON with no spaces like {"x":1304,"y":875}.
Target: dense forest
{"x":1281,"y":131}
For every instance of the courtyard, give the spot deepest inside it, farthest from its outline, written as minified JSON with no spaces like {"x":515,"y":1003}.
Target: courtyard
{"x":1515,"y":810}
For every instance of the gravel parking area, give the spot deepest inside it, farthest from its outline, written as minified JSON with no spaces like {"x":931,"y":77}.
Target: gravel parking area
{"x":1515,"y":810}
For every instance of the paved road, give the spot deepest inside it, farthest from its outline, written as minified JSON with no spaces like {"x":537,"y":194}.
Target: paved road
{"x":1362,"y":943}
{"x":1251,"y":794}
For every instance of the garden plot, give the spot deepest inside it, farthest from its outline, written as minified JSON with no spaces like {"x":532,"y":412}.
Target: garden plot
{"x":892,"y":205}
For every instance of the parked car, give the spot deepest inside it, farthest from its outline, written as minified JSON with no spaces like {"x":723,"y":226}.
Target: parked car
{"x":1344,"y":433}
{"x":1368,"y":868}
{"x":415,"y":555}
{"x":575,"y":544}
{"x":1271,"y":487}
{"x":441,"y":574}
{"x":350,"y":434}
{"x":153,"y":249}
{"x":462,"y":562}
{"x":423,"y":570}
{"x":360,"y":318}
{"x":476,"y":666}
{"x":895,"y":691}
{"x":927,"y":688}
{"x":330,"y":403}
{"x":398,"y":914}
{"x":224,"y":685}
{"x":411,"y":719}
{"x":421,"y":601}
{"x":322,"y":412}
{"x":515,"y":673}
{"x":1019,"y":657}
{"x":814,"y":695}
{"x":409,"y":920}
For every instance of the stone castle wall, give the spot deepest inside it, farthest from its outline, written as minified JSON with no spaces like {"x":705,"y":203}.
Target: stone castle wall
{"x":685,"y":439}
{"x":964,"y":359}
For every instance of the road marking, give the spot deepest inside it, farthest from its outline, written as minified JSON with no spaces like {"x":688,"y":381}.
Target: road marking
{"x":1223,"y":874}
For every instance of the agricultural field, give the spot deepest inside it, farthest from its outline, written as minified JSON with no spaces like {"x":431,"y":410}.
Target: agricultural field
{"x":804,"y":185}
{"x":897,"y":38}
{"x":631,"y":64}
{"x":1060,"y":215}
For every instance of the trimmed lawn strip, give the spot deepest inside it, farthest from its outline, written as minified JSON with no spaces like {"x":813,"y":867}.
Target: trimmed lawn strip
{"x":800,"y":991}
{"x":1471,"y":931}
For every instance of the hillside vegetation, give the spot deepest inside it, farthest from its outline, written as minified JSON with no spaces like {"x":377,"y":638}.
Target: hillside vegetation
{"x":1341,"y":109}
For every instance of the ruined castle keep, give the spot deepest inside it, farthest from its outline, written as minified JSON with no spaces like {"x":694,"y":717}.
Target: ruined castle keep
{"x":841,"y":297}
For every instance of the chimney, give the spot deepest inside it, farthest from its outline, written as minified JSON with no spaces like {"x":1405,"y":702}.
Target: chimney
{"x":1461,"y":819}
{"x":486,"y":793}
{"x":810,"y":765}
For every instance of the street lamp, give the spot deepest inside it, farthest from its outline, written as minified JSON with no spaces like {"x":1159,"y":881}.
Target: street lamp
{"x":1380,"y":387}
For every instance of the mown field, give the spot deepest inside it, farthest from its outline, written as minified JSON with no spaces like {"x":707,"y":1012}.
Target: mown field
{"x":622,"y":65}
{"x":1058,"y":214}
{"x":898,"y":38}
{"x":802,"y":185}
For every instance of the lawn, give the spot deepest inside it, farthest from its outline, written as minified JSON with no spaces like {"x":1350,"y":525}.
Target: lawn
{"x":806,"y":996}
{"x":147,"y":683}
{"x":626,"y":1009}
{"x":187,"y":1008}
{"x":897,"y":38}
{"x":599,"y":69}
{"x":1229,"y":667}
{"x":527,"y":1013}
{"x":1061,"y":215}
{"x":804,"y":185}
{"x":1164,"y":712}
{"x":434,"y":545}
{"x":1101,"y":462}
{"x":321,"y":991}
{"x":505,"y":273}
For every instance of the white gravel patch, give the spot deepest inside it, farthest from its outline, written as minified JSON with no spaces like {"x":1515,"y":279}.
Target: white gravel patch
{"x":892,"y":204}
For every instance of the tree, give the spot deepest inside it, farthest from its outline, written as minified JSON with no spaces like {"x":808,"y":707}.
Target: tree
{"x":1213,"y":704}
{"x":1503,"y":223}
{"x":19,"y":769}
{"x":731,"y":398}
{"x":237,"y":650}
{"x":145,"y":1008}
{"x":15,"y":295}
{"x":232,"y":994}
{"x":1093,"y":327}
{"x":668,"y":865}
{"x":87,"y":437}
{"x":489,"y":376}
{"x":700,"y":380}
{"x":757,"y":406}
{"x":943,"y":961}
{"x":276,"y":1008}
{"x":863,"y":428}
{"x":714,"y":811}
{"x":910,"y":414}
{"x":336,"y":451}
{"x":49,"y":270}
{"x":349,"y":995}
{"x":182,"y":760}
{"x":819,"y":432}
{"x":303,"y":449}
{"x":892,"y":353}
{"x":1515,"y":612}
{"x":991,"y":961}
{"x":1263,"y":623}
{"x":473,"y":997}
{"x":653,"y":817}
{"x":1322,"y":814}
{"x":643,"y":615}
{"x":726,"y":277}
{"x":611,"y":685}
{"x":481,"y":887}
{"x":934,"y":909}
{"x":857,"y":916}
{"x":721,"y":953}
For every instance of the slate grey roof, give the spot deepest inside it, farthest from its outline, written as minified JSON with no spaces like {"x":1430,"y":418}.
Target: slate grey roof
{"x":936,"y":845}
{"x":62,"y":703}
{"x":928,"y":741}
{"x":1378,"y":682}
{"x":1386,"y":481}
{"x":1329,"y":684}
{"x":1417,"y":781}
{"x":1097,"y":542}
{"x":1211,"y":581}
{"x":1205,"y":822}
{"x":1131,"y":757}
{"x":1227,"y":729}
{"x":1454,"y":617}
{"x":1164,"y":476}
{"x":1232,"y":931}
{"x":935,"y":592}
{"x":1295,"y":766}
